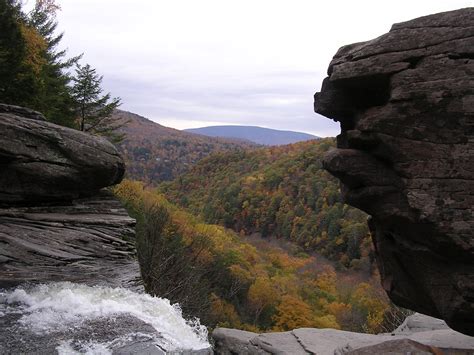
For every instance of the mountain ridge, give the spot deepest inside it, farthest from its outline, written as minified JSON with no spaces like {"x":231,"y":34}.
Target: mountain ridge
{"x":155,"y":153}
{"x":255,"y":134}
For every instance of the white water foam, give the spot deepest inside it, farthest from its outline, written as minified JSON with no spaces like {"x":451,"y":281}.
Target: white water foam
{"x":74,"y":347}
{"x":90,"y":348}
{"x":51,"y":307}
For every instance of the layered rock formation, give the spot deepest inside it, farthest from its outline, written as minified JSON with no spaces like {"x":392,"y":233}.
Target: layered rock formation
{"x":48,"y":233}
{"x":405,"y":101}
{"x":41,"y":161}
{"x":88,"y":241}
{"x":419,"y":334}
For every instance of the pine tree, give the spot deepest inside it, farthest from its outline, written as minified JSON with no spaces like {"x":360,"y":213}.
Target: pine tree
{"x":94,"y":110}
{"x":54,"y":99}
{"x":33,"y":73}
{"x":15,"y":78}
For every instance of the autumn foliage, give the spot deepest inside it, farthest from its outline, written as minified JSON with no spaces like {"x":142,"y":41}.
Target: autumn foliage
{"x":218,"y":276}
{"x":278,"y":192}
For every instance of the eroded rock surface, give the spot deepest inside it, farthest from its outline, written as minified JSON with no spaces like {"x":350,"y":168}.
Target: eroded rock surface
{"x":41,"y":161}
{"x":405,"y":101}
{"x":418,"y":335}
{"x":88,"y":241}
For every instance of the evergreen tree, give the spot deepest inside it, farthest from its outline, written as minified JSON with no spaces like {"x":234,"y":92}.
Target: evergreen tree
{"x":15,"y":80}
{"x":93,"y":109}
{"x":33,"y":73}
{"x":54,"y":99}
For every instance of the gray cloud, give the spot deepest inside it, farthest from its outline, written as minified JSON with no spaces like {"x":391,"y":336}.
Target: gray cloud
{"x":278,"y":100}
{"x":189,"y":63}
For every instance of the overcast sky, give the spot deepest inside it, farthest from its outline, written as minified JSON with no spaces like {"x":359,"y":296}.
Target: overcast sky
{"x":194,"y":63}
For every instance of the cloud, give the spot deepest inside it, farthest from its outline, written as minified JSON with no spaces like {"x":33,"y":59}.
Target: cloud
{"x":187,"y":62}
{"x":276,"y":100}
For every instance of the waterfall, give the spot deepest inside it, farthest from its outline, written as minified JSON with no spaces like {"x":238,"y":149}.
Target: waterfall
{"x":65,"y":309}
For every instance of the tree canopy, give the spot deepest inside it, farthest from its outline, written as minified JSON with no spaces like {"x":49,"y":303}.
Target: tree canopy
{"x":279,"y":192}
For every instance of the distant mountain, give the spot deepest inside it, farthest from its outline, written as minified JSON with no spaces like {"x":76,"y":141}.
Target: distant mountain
{"x":259,"y":135}
{"x":155,"y":153}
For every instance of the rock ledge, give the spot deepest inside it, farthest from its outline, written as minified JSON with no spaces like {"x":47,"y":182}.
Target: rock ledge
{"x":419,"y":334}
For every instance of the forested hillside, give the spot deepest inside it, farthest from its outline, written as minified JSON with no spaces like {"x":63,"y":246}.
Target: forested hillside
{"x":154,"y":153}
{"x":280,"y":192}
{"x":217,"y":276}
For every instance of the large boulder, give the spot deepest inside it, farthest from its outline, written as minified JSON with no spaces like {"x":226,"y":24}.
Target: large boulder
{"x":405,"y":101}
{"x":41,"y":161}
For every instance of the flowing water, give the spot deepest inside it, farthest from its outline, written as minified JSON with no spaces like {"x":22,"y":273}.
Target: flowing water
{"x":75,"y":318}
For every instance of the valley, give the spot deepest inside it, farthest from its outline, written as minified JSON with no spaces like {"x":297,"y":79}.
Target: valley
{"x":280,"y":192}
{"x":227,"y":280}
{"x":241,"y":224}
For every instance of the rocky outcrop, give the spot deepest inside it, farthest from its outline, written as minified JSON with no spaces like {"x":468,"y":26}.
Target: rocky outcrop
{"x":41,"y":161}
{"x":405,"y":101}
{"x":427,"y":336}
{"x":48,"y":230}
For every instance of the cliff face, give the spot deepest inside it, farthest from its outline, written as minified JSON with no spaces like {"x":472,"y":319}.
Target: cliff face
{"x":405,"y":101}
